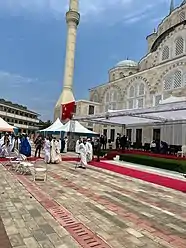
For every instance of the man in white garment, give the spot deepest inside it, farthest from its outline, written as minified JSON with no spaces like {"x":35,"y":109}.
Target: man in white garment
{"x":83,"y":154}
{"x":55,"y":152}
{"x":12,"y":143}
{"x":58,"y":150}
{"x":47,"y":150}
{"x":89,"y":150}
{"x":5,"y":146}
{"x":78,"y":142}
{"x":66,"y":145}
{"x":1,"y":145}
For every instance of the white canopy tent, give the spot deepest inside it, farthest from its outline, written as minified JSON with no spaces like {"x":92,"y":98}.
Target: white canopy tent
{"x":54,"y":127}
{"x":169,"y":110}
{"x":75,"y":127}
{"x":5,"y":127}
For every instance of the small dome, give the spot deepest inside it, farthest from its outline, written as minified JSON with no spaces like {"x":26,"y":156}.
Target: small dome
{"x":127,"y":63}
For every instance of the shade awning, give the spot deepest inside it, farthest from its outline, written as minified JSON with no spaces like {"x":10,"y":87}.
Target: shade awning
{"x":5,"y":127}
{"x":54,"y":127}
{"x":75,"y":127}
{"x":168,"y":111}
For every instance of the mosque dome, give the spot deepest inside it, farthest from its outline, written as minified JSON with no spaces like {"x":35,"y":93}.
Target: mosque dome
{"x":127,"y":63}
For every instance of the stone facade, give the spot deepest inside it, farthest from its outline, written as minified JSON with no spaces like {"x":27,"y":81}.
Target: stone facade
{"x":158,"y":75}
{"x":83,"y":108}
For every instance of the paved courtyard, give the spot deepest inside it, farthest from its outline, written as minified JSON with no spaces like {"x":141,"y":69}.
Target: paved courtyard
{"x":90,"y":208}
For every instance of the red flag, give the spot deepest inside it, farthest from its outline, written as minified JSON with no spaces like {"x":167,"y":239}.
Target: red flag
{"x":68,"y":110}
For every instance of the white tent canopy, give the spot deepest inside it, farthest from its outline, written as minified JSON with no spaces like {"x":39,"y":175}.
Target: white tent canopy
{"x":169,"y":110}
{"x":5,"y":127}
{"x":75,"y":127}
{"x":54,"y":127}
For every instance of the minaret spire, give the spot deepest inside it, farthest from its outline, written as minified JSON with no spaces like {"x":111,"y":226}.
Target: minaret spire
{"x":171,"y":6}
{"x":66,"y":102}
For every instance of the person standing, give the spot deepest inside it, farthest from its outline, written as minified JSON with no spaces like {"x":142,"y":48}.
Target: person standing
{"x":47,"y":147}
{"x":55,"y":152}
{"x":97,"y":147}
{"x":89,"y":150}
{"x":66,"y":145}
{"x":83,"y":155}
{"x":39,"y":145}
{"x":118,"y":142}
{"x":78,"y":142}
{"x":25,"y":147}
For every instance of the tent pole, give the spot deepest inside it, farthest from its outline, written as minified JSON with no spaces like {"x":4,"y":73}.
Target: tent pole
{"x":123,"y":129}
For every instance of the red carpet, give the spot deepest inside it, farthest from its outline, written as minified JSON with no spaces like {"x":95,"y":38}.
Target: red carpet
{"x":112,"y":154}
{"x":143,"y":175}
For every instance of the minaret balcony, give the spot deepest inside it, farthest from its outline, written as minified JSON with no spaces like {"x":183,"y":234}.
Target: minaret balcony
{"x":72,"y":17}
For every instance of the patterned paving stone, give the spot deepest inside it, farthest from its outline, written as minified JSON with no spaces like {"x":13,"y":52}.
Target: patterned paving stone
{"x":27,"y":223}
{"x":125,"y":212}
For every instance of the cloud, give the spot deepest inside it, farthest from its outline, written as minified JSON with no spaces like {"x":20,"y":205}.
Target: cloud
{"x":105,"y":9}
{"x":36,"y":94}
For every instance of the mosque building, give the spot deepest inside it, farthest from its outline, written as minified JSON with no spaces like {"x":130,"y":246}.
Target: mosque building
{"x":161,"y":73}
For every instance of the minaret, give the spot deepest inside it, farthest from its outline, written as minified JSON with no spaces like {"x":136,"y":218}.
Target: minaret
{"x":171,"y":6}
{"x":66,"y":102}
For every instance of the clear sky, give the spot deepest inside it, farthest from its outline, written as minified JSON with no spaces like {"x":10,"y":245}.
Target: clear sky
{"x":33,"y":41}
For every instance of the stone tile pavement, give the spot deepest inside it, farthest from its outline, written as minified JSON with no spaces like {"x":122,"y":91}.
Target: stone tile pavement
{"x":125,"y":212}
{"x":27,"y":223}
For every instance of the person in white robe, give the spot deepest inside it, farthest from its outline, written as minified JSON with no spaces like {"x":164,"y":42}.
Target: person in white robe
{"x":58,"y":150}
{"x":5,"y":147}
{"x":47,"y":150}
{"x":55,"y":152}
{"x":77,"y":145}
{"x":89,"y":150}
{"x":2,"y":140}
{"x":66,"y":145}
{"x":12,"y":143}
{"x":1,"y":145}
{"x":83,"y":155}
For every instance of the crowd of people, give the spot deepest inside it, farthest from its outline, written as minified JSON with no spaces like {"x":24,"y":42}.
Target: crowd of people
{"x":9,"y":142}
{"x":51,"y":146}
{"x":121,"y":142}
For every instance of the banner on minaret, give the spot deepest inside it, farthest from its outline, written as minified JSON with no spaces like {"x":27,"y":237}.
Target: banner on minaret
{"x":67,"y":110}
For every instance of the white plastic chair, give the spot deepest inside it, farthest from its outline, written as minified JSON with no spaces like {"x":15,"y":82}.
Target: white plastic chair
{"x":25,"y":165}
{"x":40,"y":167}
{"x":182,"y":152}
{"x":14,"y":160}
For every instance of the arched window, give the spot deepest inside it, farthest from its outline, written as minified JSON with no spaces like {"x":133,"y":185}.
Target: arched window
{"x":168,"y":83}
{"x":177,"y":83}
{"x":165,"y":53}
{"x":136,"y":96}
{"x":182,"y":16}
{"x":95,"y":98}
{"x":121,"y":75}
{"x":113,"y":76}
{"x":179,"y":46}
{"x":141,"y":89}
{"x":113,"y":96}
{"x":111,"y":99}
{"x":131,"y":91}
{"x":107,"y":97}
{"x":173,"y":81}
